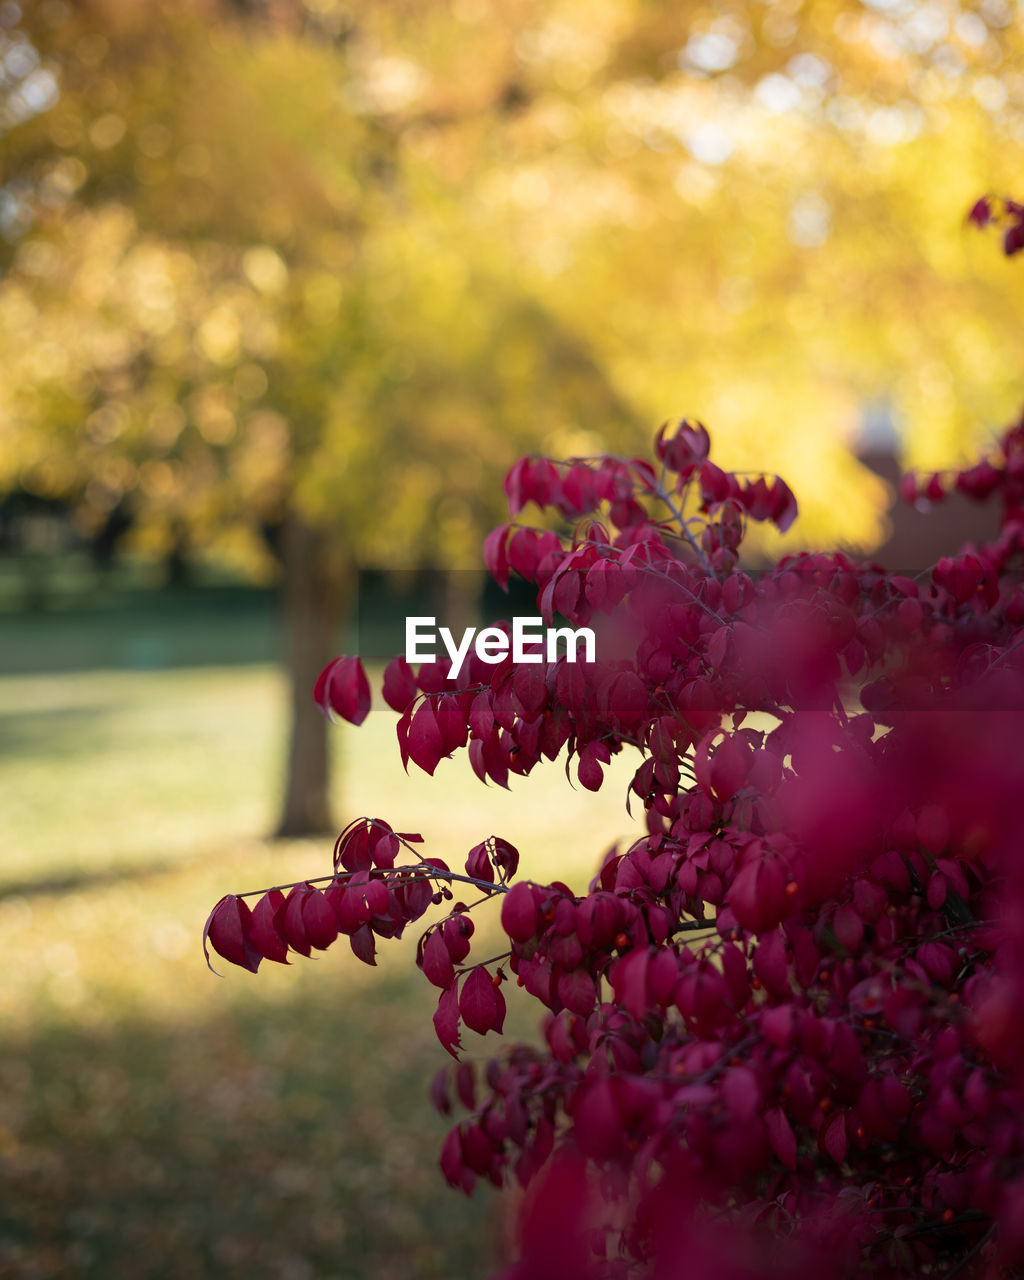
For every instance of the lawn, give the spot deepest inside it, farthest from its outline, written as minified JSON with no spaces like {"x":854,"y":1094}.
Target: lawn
{"x":157,"y":1121}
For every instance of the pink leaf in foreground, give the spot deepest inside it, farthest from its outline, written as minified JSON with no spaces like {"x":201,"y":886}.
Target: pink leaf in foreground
{"x":227,"y":930}
{"x":481,"y":1004}
{"x":781,"y":1137}
{"x":446,"y":1020}
{"x":437,"y":963}
{"x":342,"y":687}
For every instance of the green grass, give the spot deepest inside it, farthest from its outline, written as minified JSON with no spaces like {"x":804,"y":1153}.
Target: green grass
{"x":157,"y":1121}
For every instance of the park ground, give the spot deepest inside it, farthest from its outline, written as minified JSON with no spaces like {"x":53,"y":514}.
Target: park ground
{"x":156,"y":1120}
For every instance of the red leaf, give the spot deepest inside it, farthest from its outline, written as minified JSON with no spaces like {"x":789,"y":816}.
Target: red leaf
{"x":496,"y":555}
{"x":688,"y":446}
{"x":342,"y":687}
{"x":519,"y":913}
{"x":227,"y":929}
{"x":500,"y":1010}
{"x":629,"y":981}
{"x":597,"y":1123}
{"x":729,"y":766}
{"x":835,"y":1137}
{"x":758,"y":894}
{"x":292,"y":923}
{"x":937,"y":890}
{"x":478,"y":864}
{"x":457,"y":931}
{"x":414,"y":897}
{"x":539,"y":482}
{"x":451,"y":724}
{"x":265,"y":933}
{"x":777,"y":1025}
{"x":770,"y":963}
{"x":579,"y":493}
{"x":784,"y":508}
{"x":715,"y":484}
{"x":481,"y":717}
{"x":402,"y":732}
{"x":566,"y":592}
{"x":352,"y":847}
{"x":980,"y":213}
{"x":446,"y":1020}
{"x":319,"y":918}
{"x":781,"y":1137}
{"x":577,"y":992}
{"x":734,"y":968}
{"x":386,"y":846}
{"x":476,"y":1149}
{"x":363,"y":945}
{"x":439,"y":1092}
{"x":452,"y":1166}
{"x":399,"y":686}
{"x":425,"y":744}
{"x":589,"y":771}
{"x":478,"y":1003}
{"x":848,"y":927}
{"x":465,"y":1084}
{"x":663,"y":976}
{"x":524,"y":552}
{"x":376,"y":896}
{"x":530,"y":688}
{"x":505,"y":857}
{"x":514,"y":487}
{"x":349,"y":907}
{"x":437,"y":963}
{"x":742,"y":1092}
{"x":627,"y":698}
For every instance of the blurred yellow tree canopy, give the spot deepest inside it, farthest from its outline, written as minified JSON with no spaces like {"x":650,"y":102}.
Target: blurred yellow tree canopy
{"x":356,"y":257}
{"x":329,"y":266}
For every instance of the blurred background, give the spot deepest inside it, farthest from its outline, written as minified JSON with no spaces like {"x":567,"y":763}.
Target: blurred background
{"x":285,"y":287}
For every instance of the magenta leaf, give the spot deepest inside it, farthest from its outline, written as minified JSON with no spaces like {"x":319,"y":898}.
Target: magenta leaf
{"x":478,"y":864}
{"x":479,"y":1002}
{"x":437,"y":963}
{"x":781,"y":1137}
{"x":519,"y":913}
{"x":266,"y":932}
{"x":457,"y":931}
{"x":342,"y":687}
{"x":505,"y":857}
{"x":363,"y":945}
{"x":835,"y":1137}
{"x":446,"y":1020}
{"x":399,"y":687}
{"x":577,"y":991}
{"x":425,"y":744}
{"x":293,"y":924}
{"x":319,"y":919}
{"x":227,"y":931}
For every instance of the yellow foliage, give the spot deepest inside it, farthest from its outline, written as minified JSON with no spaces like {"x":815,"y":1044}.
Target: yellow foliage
{"x":359,"y":257}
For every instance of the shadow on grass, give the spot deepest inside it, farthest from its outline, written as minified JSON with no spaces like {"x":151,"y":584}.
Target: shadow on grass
{"x":77,"y":881}
{"x":54,"y":731}
{"x":292,"y":1141}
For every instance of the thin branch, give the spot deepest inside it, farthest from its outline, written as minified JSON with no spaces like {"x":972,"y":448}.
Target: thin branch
{"x":415,"y":873}
{"x":972,"y":1253}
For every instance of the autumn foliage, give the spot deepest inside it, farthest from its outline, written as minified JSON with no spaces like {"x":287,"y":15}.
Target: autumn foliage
{"x":781,"y":1029}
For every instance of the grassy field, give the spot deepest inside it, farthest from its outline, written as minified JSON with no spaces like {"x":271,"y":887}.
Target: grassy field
{"x":157,"y":1121}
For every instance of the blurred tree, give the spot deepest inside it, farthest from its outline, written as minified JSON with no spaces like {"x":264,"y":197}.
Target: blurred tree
{"x":317,"y":265}
{"x":234,"y":299}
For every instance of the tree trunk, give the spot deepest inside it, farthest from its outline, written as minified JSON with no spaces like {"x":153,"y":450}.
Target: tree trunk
{"x":316,"y":584}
